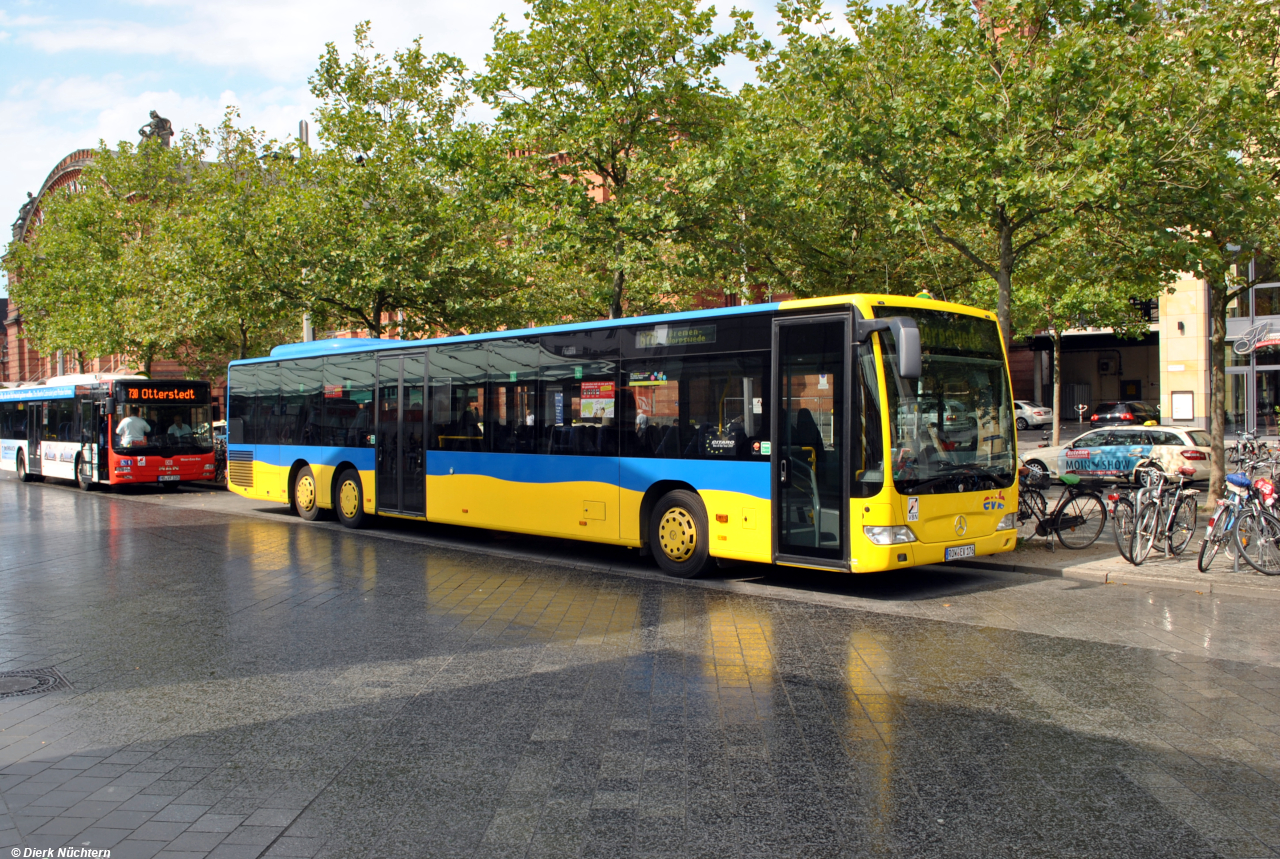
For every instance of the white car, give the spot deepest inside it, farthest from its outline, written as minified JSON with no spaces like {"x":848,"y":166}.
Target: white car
{"x":1028,"y":415}
{"x":1113,"y":452}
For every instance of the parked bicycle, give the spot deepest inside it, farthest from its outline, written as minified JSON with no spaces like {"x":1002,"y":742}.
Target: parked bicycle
{"x":1167,"y":517}
{"x":1258,"y":529}
{"x":1078,"y":519}
{"x":1147,"y":478}
{"x":1222,"y":524}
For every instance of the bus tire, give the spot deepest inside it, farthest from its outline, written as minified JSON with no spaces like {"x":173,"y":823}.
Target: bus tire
{"x":679,"y":535}
{"x":306,"y":500}
{"x":21,"y":465}
{"x":83,"y":478}
{"x":348,"y":499}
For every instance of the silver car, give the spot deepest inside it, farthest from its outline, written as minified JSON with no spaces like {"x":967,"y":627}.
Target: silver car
{"x":1027,"y":415}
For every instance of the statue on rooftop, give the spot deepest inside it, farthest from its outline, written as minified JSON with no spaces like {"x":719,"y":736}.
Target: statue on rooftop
{"x":25,"y":209}
{"x":158,"y":128}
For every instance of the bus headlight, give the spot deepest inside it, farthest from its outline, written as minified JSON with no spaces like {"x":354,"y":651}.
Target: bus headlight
{"x":887,"y":535}
{"x":1008,"y":522}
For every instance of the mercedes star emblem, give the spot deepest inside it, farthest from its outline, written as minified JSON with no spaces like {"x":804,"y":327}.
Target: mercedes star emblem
{"x":962,"y":525}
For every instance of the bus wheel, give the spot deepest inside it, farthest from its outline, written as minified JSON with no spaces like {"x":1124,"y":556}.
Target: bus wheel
{"x":24,"y":475}
{"x":305,"y":498}
{"x":348,"y":496}
{"x":83,"y":478}
{"x":678,"y":534}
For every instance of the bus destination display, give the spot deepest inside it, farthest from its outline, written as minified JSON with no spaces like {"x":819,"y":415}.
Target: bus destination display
{"x":181,"y":393}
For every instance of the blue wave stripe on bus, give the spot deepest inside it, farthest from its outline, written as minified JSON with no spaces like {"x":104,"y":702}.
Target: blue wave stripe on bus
{"x":287,"y":454}
{"x":751,"y":478}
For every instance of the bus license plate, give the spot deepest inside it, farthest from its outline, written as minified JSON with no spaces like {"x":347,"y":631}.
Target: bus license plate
{"x":168,"y":477}
{"x":960,"y":552}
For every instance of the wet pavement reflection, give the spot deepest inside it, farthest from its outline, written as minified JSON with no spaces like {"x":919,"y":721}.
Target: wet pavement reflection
{"x":251,"y":686}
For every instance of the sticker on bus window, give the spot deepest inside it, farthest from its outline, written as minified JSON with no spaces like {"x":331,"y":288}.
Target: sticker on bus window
{"x":913,"y":509}
{"x":597,"y":399}
{"x":638,"y":380}
{"x":766,"y":448}
{"x":757,"y":405}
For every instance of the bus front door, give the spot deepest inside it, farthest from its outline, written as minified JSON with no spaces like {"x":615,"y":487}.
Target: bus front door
{"x":401,"y":431}
{"x":811,"y":495}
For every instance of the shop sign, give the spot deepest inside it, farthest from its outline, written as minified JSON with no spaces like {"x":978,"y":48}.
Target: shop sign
{"x":1255,"y":338}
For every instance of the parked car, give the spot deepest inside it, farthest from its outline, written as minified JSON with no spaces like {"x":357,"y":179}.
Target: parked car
{"x":1131,"y":412}
{"x":1027,"y":415}
{"x":1115,"y":452}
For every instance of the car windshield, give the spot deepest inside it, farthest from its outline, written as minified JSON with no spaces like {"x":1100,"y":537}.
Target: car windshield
{"x":164,"y":430}
{"x":1108,"y":407}
{"x":951,"y":429}
{"x":1200,"y":438}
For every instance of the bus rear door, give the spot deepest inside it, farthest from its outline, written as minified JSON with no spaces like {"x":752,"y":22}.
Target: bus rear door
{"x":35,"y":431}
{"x":400,"y":435}
{"x":811,"y":495}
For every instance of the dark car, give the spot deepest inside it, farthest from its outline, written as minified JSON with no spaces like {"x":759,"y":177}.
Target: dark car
{"x":1114,"y":414}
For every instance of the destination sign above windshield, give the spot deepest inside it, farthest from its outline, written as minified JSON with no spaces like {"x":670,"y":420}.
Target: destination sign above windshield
{"x":188,"y":393}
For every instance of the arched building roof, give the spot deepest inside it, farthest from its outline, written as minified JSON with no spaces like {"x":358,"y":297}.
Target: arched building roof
{"x":67,"y":172}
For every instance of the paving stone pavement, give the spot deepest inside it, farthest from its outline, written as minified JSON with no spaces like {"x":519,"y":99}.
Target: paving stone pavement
{"x":250,"y":685}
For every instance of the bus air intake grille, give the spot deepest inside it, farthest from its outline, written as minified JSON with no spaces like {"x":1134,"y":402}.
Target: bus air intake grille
{"x":32,"y":681}
{"x":240,"y":456}
{"x":241,"y":473}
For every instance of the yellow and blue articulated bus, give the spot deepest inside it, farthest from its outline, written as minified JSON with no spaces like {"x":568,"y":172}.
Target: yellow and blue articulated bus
{"x":857,"y":433}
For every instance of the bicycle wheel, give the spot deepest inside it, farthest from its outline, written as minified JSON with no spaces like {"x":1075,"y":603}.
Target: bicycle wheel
{"x":1122,"y":524}
{"x":1212,"y":541}
{"x":1183,"y":525}
{"x":1144,"y":532}
{"x":1080,"y":521}
{"x":1258,"y":539}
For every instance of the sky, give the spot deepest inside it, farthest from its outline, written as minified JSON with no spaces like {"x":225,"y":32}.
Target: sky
{"x":73,"y":74}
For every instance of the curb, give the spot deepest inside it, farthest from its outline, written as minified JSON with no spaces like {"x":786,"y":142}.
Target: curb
{"x":1209,"y":584}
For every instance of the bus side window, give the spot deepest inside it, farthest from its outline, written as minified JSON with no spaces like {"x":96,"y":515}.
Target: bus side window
{"x":348,"y":400}
{"x":241,"y":393}
{"x":696,"y":407}
{"x":457,"y":414}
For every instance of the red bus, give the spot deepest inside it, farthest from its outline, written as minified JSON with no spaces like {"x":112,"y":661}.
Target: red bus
{"x":108,"y":429}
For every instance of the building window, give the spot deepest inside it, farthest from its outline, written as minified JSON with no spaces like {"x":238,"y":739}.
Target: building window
{"x":1266,"y":300}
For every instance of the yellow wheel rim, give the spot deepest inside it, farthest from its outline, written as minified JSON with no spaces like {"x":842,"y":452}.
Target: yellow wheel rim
{"x":306,"y":492}
{"x":678,"y":534}
{"x":349,"y":499}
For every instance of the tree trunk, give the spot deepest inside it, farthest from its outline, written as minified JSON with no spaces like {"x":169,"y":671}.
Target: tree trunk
{"x":244,"y":340}
{"x":1004,"y":284}
{"x":1217,"y":390}
{"x":619,"y":282}
{"x":1057,"y":386}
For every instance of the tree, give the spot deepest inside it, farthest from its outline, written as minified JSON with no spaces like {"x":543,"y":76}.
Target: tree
{"x":237,"y":309}
{"x":103,"y":273}
{"x":378,"y":223}
{"x":990,"y":126}
{"x":1204,"y":182}
{"x":597,"y":104}
{"x":1083,"y":277}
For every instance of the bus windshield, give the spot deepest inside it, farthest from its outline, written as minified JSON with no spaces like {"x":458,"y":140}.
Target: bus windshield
{"x":163,"y":430}
{"x":951,"y":430}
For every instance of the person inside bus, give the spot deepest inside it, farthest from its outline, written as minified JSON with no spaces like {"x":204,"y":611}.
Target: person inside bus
{"x":133,"y":429}
{"x":179,"y":429}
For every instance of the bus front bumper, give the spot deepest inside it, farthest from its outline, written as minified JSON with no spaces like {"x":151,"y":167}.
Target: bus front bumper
{"x":870,"y":558}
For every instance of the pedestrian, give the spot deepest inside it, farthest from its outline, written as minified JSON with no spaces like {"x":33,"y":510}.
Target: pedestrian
{"x":133,"y":429}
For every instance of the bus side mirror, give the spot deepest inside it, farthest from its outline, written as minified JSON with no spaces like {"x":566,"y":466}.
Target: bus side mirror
{"x":110,"y":406}
{"x":906,"y":339}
